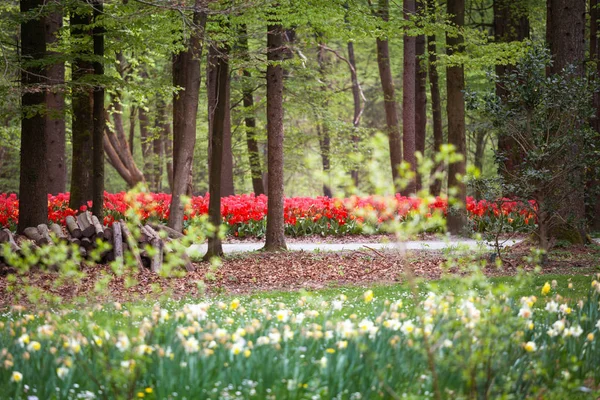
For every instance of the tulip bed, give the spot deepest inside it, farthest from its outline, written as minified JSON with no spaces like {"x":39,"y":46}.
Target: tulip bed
{"x":245,"y":215}
{"x":488,"y":342}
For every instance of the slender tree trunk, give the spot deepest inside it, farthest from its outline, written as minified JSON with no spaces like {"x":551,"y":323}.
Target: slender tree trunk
{"x":357,"y":106}
{"x":594,"y":184}
{"x":510,"y":24}
{"x":436,"y":106}
{"x":391,"y":110}
{"x":322,"y":127}
{"x":132,"y":118}
{"x":249,"y":120}
{"x":167,"y":139}
{"x":566,"y":36}
{"x":158,"y":150}
{"x":275,"y":237}
{"x":217,"y":137}
{"x":186,"y":74}
{"x":408,"y":98}
{"x":82,"y":118}
{"x":455,"y":108}
{"x":227,"y":187}
{"x":55,"y":117}
{"x":480,"y":141}
{"x":33,"y":184}
{"x":99,"y":116}
{"x":420,"y":91}
{"x":147,"y":150}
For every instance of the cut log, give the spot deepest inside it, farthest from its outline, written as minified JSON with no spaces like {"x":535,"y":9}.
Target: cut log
{"x":87,"y":244}
{"x":58,"y":232}
{"x":157,"y":244}
{"x":43,"y":230}
{"x":108,"y":234}
{"x":98,"y":228}
{"x":117,"y":240}
{"x":33,"y":234}
{"x":171,"y":233}
{"x":9,"y":238}
{"x":73,"y":227}
{"x":76,"y":241}
{"x":84,"y":220}
{"x":143,"y":238}
{"x":133,"y":247}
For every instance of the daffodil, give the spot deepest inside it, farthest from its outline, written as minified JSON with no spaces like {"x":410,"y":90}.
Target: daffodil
{"x":16,"y":377}
{"x":368,"y":296}
{"x":530,"y":347}
{"x":546,"y":289}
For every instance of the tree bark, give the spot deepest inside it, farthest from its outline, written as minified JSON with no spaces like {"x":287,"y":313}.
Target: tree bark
{"x":98,"y":115}
{"x":420,"y":91}
{"x":275,"y":236}
{"x":511,"y":23}
{"x":82,"y":117}
{"x":436,"y":105}
{"x":217,"y":138}
{"x":566,"y":36}
{"x":227,"y":186}
{"x":147,"y":148}
{"x":408,"y":98}
{"x":391,"y":110}
{"x":455,"y":109}
{"x":33,"y":184}
{"x":322,"y":127}
{"x":55,"y":109}
{"x":186,"y":74}
{"x":167,"y":139}
{"x":358,"y":109}
{"x":594,"y":184}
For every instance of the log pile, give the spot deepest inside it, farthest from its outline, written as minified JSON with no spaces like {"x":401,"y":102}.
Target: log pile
{"x":86,"y":232}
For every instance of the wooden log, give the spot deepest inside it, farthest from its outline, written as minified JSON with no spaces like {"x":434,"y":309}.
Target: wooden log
{"x":108,"y":234}
{"x":171,"y":233}
{"x":133,"y":247}
{"x":72,"y":227}
{"x":84,"y":220}
{"x":58,"y":232}
{"x":9,"y":238}
{"x":117,"y":240}
{"x":33,"y":234}
{"x":87,"y":244}
{"x":98,"y":227}
{"x":73,"y":240}
{"x":143,"y":238}
{"x":158,"y":245}
{"x":45,"y":233}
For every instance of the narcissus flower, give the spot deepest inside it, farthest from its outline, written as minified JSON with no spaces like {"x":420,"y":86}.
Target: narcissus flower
{"x":530,"y":347}
{"x":546,"y":288}
{"x":368,"y":296}
{"x":16,"y":377}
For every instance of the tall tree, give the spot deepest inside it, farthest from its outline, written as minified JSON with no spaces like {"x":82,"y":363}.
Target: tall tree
{"x":33,"y":185}
{"x":214,"y":53}
{"x":420,"y":89}
{"x":408,"y":96}
{"x":594,"y":185}
{"x":55,"y":111}
{"x":186,"y":74}
{"x":455,"y":109}
{"x":98,"y":113}
{"x":389,"y":97}
{"x":322,"y":124}
{"x":275,"y":237}
{"x":565,"y":34}
{"x":217,"y":138}
{"x":358,"y":106}
{"x":249,"y":119}
{"x":436,"y":103}
{"x":81,"y":103}
{"x":511,"y":23}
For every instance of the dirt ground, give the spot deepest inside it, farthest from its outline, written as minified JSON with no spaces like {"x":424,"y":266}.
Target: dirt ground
{"x":251,"y":272}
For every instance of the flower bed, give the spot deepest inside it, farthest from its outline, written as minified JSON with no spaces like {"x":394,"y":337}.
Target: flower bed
{"x":245,"y":215}
{"x":455,"y":344}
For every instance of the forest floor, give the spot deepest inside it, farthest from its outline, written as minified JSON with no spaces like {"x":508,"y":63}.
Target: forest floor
{"x":250,"y":272}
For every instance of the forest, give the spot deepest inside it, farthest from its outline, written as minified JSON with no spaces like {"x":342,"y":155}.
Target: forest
{"x":303,"y":199}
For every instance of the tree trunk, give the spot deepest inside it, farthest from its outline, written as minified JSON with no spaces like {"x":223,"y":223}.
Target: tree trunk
{"x":455,"y":109}
{"x":322,"y":127}
{"x":158,"y":151}
{"x":510,"y":24}
{"x":480,"y":141}
{"x":186,"y":74}
{"x":33,"y":184}
{"x":99,"y":116}
{"x":357,"y":106}
{"x":391,"y":110}
{"x":436,"y":103}
{"x":147,"y":148}
{"x":566,"y":36}
{"x":594,"y":184}
{"x":408,"y":98}
{"x":420,"y":91}
{"x":82,"y":118}
{"x":55,"y":117}
{"x":249,"y":119}
{"x":275,"y":237}
{"x":167,"y":138}
{"x":227,"y":187}
{"x":217,"y":138}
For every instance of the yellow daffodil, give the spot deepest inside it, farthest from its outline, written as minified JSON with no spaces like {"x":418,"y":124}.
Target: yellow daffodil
{"x":546,"y":289}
